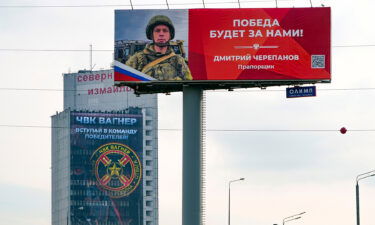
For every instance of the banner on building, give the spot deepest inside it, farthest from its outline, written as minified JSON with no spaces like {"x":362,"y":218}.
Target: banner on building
{"x":223,"y":45}
{"x":106,"y":168}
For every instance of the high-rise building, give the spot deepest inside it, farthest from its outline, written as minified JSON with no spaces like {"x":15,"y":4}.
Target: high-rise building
{"x":104,"y":154}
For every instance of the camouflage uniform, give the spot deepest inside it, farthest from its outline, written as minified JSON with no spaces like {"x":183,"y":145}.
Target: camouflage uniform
{"x":173,"y":68}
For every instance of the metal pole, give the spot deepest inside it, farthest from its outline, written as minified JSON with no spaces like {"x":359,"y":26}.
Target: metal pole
{"x":91,"y":57}
{"x":192,"y":160}
{"x":291,"y":217}
{"x":229,"y":206}
{"x":167,"y":3}
{"x":357,"y":201}
{"x":231,"y":181}
{"x":358,"y":178}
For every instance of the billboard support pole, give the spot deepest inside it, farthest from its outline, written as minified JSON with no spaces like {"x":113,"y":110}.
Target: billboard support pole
{"x":192,"y":156}
{"x":91,"y":58}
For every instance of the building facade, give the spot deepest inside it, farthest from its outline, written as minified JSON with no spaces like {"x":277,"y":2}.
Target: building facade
{"x":104,"y":154}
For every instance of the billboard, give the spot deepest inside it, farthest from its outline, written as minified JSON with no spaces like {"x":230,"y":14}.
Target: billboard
{"x":279,"y":45}
{"x":106,"y":168}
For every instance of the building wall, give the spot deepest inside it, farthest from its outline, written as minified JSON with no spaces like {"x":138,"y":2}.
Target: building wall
{"x":150,"y":190}
{"x":60,"y":168}
{"x":94,"y":91}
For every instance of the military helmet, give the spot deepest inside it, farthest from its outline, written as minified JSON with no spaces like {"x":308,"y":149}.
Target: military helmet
{"x":159,"y":20}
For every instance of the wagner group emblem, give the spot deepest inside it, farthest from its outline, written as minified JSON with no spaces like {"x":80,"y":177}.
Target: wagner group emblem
{"x":117,"y":169}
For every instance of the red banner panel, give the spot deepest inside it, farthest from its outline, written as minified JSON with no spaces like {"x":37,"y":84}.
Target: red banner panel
{"x":260,"y":44}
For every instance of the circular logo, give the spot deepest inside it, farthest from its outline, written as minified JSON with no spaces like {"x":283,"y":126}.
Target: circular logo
{"x":117,"y":168}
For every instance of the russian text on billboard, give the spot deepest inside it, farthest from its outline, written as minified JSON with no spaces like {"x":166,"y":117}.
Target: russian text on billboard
{"x":106,"y":168}
{"x":224,"y":44}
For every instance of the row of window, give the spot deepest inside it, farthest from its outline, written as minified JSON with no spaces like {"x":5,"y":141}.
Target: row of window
{"x":82,"y":182}
{"x":79,"y":203}
{"x":122,"y":203}
{"x":94,"y":192}
{"x":86,"y":192}
{"x":91,"y":203}
{"x":92,"y":183}
{"x":74,"y":222}
{"x":86,"y":152}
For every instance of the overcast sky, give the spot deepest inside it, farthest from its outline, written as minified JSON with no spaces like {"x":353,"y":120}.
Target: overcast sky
{"x":286,"y":172}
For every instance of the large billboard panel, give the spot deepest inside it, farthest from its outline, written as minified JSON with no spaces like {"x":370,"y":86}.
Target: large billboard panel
{"x":222,"y":45}
{"x":106,"y":168}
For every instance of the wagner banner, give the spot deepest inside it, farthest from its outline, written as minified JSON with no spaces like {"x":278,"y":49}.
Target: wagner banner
{"x":223,"y":45}
{"x":106,"y":168}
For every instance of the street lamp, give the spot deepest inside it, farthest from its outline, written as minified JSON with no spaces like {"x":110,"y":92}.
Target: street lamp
{"x":229,"y":197}
{"x":293,"y":217}
{"x":358,"y":178}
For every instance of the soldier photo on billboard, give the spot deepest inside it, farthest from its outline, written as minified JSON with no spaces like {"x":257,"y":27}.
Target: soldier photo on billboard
{"x":158,"y":58}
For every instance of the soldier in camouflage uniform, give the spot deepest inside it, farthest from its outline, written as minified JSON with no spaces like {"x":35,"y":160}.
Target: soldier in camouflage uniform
{"x":158,"y":59}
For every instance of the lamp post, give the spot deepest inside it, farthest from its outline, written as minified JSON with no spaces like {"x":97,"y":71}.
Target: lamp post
{"x":231,"y":181}
{"x":358,"y":178}
{"x":293,"y":217}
